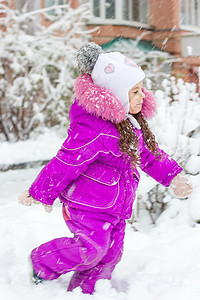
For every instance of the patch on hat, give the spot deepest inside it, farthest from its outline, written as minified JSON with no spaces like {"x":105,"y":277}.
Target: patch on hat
{"x":109,"y":69}
{"x":131,"y":63}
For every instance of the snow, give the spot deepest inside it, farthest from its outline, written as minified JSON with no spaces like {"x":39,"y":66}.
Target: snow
{"x":43,"y":147}
{"x":160,"y":261}
{"x":193,"y":164}
{"x":41,"y":68}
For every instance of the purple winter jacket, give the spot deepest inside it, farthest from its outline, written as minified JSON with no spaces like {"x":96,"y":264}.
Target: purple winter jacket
{"x":90,"y":173}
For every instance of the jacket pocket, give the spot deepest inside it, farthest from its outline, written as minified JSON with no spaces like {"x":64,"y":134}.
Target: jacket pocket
{"x":97,"y":187}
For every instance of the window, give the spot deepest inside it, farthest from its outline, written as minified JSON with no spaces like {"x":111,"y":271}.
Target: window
{"x":96,"y":8}
{"x":190,"y":12}
{"x":143,"y":11}
{"x":127,"y":8}
{"x":49,"y":3}
{"x":19,"y":4}
{"x":27,"y":5}
{"x":104,"y":9}
{"x":121,"y":10}
{"x":136,"y":10}
{"x":110,"y":9}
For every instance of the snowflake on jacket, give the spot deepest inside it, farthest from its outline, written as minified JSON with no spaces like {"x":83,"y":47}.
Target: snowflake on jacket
{"x":89,"y":172}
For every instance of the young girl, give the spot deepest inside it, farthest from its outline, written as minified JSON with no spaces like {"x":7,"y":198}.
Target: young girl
{"x":95,"y":172}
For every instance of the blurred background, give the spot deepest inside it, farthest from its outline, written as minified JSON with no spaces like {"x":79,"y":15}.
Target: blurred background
{"x":38,"y":44}
{"x":39,"y":40}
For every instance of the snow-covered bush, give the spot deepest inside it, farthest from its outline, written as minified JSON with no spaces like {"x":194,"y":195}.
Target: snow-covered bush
{"x":177,"y":123}
{"x":177,"y":130}
{"x":37,"y":70}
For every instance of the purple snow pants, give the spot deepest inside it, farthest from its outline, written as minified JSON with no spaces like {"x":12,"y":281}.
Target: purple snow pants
{"x":92,"y":253}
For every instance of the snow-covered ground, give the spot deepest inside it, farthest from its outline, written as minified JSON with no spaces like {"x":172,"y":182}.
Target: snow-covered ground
{"x":39,"y":148}
{"x":160,"y":262}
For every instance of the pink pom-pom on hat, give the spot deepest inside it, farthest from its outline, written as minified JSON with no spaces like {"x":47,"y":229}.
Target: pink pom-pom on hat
{"x":149,"y":104}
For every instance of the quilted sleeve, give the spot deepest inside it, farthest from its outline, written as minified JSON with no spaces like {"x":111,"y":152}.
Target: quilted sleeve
{"x":163,"y":170}
{"x":81,"y":148}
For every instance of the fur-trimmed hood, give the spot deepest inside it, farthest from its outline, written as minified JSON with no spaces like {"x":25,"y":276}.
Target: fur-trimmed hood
{"x":103,"y":103}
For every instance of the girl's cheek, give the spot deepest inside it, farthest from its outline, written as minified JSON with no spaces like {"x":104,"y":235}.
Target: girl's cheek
{"x":133,"y":100}
{"x":133,"y":96}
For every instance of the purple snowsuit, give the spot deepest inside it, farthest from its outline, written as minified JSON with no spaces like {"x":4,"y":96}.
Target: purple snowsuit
{"x":97,"y":186}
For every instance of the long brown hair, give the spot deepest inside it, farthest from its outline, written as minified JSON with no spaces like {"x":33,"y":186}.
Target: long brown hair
{"x":128,"y":142}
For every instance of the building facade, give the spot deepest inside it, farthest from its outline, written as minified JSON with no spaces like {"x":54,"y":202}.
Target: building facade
{"x":172,"y":26}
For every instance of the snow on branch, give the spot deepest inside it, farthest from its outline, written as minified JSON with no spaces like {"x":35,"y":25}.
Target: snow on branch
{"x":37,"y":68}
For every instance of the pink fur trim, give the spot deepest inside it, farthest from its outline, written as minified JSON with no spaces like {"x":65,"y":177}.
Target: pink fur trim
{"x":149,"y":104}
{"x":102,"y":103}
{"x":97,"y":100}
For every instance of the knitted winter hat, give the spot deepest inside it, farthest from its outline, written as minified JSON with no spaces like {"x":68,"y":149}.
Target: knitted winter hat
{"x":113,"y":71}
{"x":113,"y":75}
{"x":118,"y":74}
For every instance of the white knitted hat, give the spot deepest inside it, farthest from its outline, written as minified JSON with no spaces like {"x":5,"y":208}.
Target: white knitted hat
{"x":117,"y":73}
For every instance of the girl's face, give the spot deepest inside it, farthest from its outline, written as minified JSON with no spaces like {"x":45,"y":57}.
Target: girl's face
{"x":136,"y":98}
